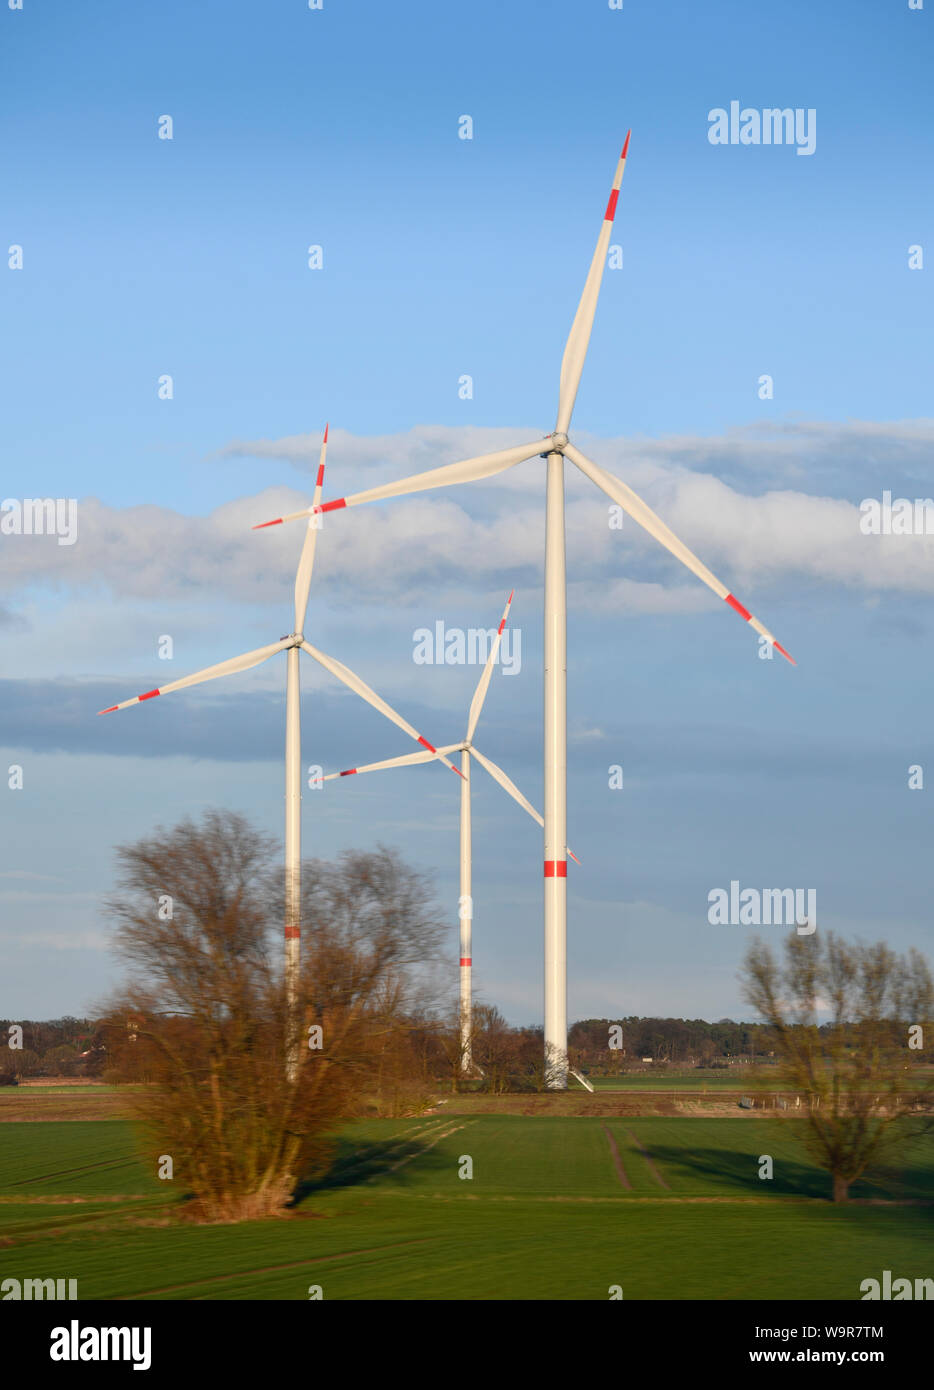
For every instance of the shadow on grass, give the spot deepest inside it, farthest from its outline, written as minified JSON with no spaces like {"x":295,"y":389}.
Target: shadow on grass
{"x":355,"y":1163}
{"x":907,"y":1180}
{"x":733,"y":1170}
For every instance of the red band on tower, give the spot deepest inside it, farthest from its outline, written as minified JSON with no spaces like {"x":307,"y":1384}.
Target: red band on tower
{"x":556,"y":868}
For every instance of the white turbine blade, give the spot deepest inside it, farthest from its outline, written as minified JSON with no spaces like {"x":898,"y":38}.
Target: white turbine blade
{"x":307,"y":559}
{"x":466,"y":471}
{"x":483,"y":685}
{"x":632,"y":503}
{"x":360,"y":687}
{"x":277,"y":521}
{"x":223,"y":668}
{"x":407,"y":760}
{"x":508,"y":785}
{"x":572,"y":363}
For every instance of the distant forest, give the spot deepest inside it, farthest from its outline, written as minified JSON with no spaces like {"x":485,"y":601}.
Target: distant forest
{"x":80,"y":1047}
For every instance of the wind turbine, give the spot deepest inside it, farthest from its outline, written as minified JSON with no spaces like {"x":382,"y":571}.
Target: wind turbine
{"x":467,"y":750}
{"x":555,"y":448}
{"x":293,"y":753}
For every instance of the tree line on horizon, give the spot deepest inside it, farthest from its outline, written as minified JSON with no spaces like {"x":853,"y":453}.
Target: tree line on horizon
{"x":71,"y":1047}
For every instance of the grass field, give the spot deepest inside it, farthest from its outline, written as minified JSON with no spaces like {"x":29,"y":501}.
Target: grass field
{"x":669,"y":1079}
{"x":557,"y":1207}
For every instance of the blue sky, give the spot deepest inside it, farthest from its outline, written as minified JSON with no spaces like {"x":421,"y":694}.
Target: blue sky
{"x":444,"y":257}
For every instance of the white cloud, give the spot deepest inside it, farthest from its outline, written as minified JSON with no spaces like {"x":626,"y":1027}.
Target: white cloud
{"x":476,"y":537}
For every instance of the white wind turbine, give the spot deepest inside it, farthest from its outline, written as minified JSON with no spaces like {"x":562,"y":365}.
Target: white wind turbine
{"x":293,"y":752}
{"x":555,"y":448}
{"x":467,"y":749}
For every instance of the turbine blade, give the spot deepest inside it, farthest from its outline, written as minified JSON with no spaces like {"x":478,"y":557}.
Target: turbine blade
{"x":360,"y":687}
{"x":407,"y":760}
{"x":483,"y":684}
{"x":632,"y":503}
{"x":307,"y":558}
{"x":508,"y":785}
{"x":466,"y":471}
{"x":572,"y":363}
{"x":277,"y":521}
{"x":223,"y":668}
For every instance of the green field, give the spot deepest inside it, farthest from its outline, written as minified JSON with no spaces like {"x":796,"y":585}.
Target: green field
{"x":545,"y":1215}
{"x":668,"y":1079}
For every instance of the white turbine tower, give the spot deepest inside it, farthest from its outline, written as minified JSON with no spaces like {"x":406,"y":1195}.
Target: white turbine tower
{"x":293,"y":752}
{"x":555,"y":448}
{"x":467,"y":750}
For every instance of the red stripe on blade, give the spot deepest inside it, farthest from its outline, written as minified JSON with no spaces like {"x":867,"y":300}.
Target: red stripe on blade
{"x":260,"y":525}
{"x":109,"y":710}
{"x":465,"y":960}
{"x":292,"y":933}
{"x":430,"y":746}
{"x":556,"y":868}
{"x":331,"y":506}
{"x":611,"y":206}
{"x":502,"y":624}
{"x":150,"y":694}
{"x":626,"y":145}
{"x":349,"y":773}
{"x":735,"y":603}
{"x":320,"y":478}
{"x":786,"y":655}
{"x":326,"y":428}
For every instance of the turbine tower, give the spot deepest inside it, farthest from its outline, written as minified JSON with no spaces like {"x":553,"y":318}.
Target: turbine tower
{"x":554,"y":449}
{"x":293,"y":752}
{"x":467,"y":750}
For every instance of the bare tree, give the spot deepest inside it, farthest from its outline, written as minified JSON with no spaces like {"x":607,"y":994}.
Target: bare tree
{"x":494,"y":1048}
{"x":455,"y":1048}
{"x":206,"y":1004}
{"x":855,"y":1071}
